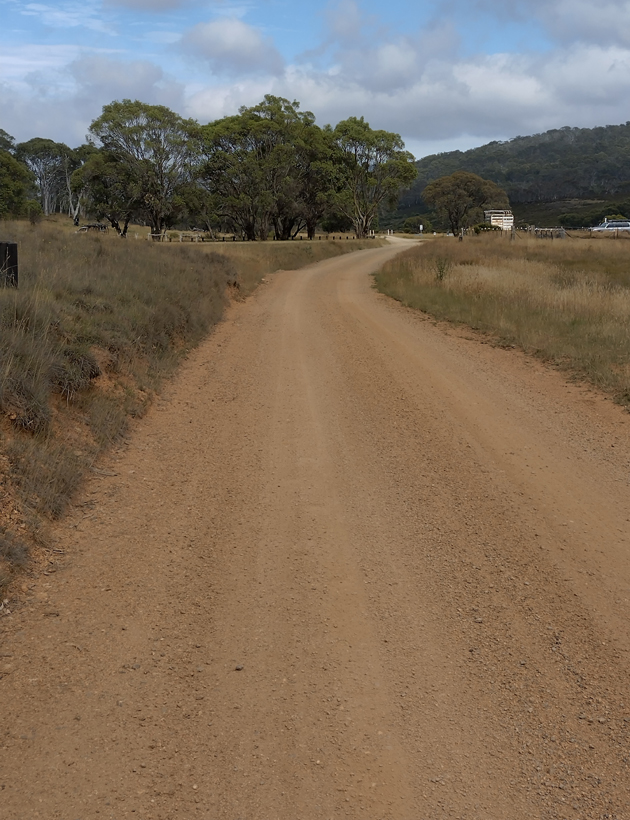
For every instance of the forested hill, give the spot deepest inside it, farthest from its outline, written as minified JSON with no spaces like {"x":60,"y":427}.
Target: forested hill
{"x":566,"y":163}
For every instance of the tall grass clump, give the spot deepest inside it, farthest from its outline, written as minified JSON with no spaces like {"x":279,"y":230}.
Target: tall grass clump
{"x":567,"y":301}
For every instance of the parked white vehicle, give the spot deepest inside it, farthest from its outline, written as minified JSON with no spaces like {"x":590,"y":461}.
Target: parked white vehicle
{"x":613,"y":225}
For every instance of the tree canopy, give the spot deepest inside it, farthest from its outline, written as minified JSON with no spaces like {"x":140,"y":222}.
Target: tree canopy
{"x":461,"y":196}
{"x":15,"y":181}
{"x":375,"y":167}
{"x":7,"y":142}
{"x":154,"y":150}
{"x":268,"y":169}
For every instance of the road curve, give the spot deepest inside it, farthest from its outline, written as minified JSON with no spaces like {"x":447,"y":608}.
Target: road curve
{"x":353,"y":564}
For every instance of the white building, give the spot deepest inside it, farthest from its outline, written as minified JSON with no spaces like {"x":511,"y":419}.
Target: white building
{"x":502,"y":219}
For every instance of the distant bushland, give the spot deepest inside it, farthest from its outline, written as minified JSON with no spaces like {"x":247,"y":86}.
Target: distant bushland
{"x":585,"y":170}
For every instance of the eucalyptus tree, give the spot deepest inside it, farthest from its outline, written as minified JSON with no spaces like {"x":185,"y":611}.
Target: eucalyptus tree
{"x":105,"y":187}
{"x":15,"y":182}
{"x":154,"y":151}
{"x":267,"y":167}
{"x":45,"y":159}
{"x":249,"y":158}
{"x":7,"y":142}
{"x":375,"y":169}
{"x":71,"y":161}
{"x":233,"y":176}
{"x":460,"y":197}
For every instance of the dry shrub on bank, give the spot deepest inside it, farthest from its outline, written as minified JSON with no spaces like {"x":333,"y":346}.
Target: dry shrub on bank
{"x":567,"y":301}
{"x":94,"y":327}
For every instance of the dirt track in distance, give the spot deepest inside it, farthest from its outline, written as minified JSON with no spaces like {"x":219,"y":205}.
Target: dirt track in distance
{"x":352,"y":565}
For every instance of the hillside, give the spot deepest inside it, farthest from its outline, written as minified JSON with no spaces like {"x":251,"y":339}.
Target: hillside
{"x":563,"y":164}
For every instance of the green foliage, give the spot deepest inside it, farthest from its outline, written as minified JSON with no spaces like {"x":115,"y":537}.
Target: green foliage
{"x":45,"y":159}
{"x":461,"y":196}
{"x":441,"y":265}
{"x":268,"y":168}
{"x":334,"y":222}
{"x":412,"y":224}
{"x":108,"y":189}
{"x":569,"y":220}
{"x":15,"y":181}
{"x":149,"y":163}
{"x":7,"y":142}
{"x":375,"y":167}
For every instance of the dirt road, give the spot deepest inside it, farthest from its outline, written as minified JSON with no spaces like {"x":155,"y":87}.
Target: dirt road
{"x":352,"y":565}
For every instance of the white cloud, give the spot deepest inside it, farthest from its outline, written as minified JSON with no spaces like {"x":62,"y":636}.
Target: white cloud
{"x":69,"y":15}
{"x":344,"y":20}
{"x":486,"y":97}
{"x":233,"y":47}
{"x":416,"y":83}
{"x":32,"y":107}
{"x":102,"y":79}
{"x":602,"y":23}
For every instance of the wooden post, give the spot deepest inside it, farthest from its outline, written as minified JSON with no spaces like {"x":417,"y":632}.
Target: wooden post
{"x":9,"y":264}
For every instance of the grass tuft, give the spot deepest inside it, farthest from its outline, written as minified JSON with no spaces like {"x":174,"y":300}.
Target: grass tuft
{"x":46,"y":473}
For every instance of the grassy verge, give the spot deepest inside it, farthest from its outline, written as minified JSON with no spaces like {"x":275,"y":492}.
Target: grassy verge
{"x":255,"y":260}
{"x":567,"y":301}
{"x":96,"y":325}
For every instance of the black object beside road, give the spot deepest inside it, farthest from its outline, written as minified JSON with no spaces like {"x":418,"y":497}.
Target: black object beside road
{"x":8,"y":264}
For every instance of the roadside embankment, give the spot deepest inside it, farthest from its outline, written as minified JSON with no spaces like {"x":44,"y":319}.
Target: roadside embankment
{"x":85,"y":342}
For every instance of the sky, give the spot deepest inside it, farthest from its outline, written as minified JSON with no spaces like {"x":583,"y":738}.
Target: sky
{"x":444,"y":74}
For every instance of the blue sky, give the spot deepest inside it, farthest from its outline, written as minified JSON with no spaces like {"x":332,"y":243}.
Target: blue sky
{"x":444,"y":74}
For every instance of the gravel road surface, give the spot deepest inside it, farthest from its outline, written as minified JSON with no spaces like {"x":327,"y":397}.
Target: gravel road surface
{"x":353,"y":564}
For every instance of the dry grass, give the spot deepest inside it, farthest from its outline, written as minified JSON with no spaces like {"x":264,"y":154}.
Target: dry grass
{"x":255,"y":260}
{"x":95,"y":326}
{"x":567,"y":301}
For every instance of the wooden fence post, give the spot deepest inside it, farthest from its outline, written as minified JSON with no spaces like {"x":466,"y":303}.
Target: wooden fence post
{"x":9,"y":264}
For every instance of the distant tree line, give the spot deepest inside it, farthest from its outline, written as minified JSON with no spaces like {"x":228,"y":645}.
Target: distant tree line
{"x":269,"y":170}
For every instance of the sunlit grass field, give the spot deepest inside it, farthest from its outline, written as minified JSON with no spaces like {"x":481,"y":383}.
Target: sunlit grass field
{"x":565,"y":300}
